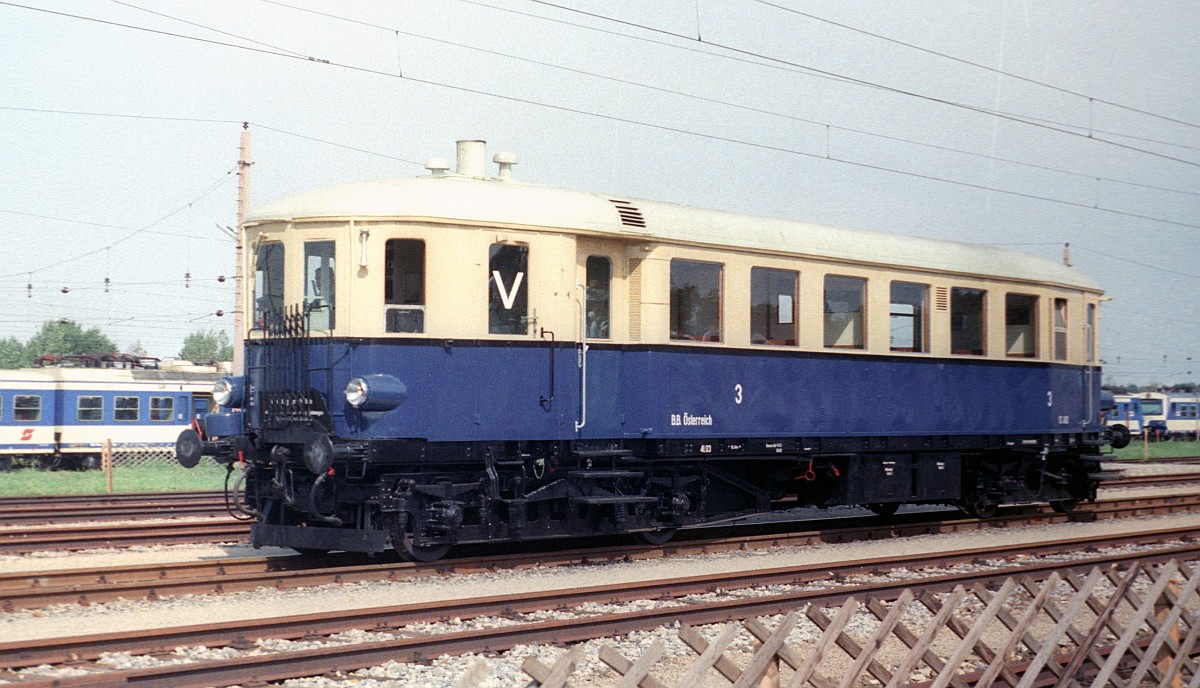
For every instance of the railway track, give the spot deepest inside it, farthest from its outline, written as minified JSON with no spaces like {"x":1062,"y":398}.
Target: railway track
{"x":154,"y":581}
{"x":116,"y":507}
{"x":77,"y":537}
{"x":406,"y":646}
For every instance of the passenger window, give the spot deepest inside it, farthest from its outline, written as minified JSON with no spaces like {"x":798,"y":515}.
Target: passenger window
{"x":599,"y":280}
{"x":1020,"y":318}
{"x":90,"y":408}
{"x":126,"y":408}
{"x":907,"y":316}
{"x":773,"y":298}
{"x":508,"y":291}
{"x":845,"y":299}
{"x":404,"y":285}
{"x":967,"y":321}
{"x":319,"y":302}
{"x":162,"y":408}
{"x":1060,"y":329}
{"x":268,"y":285}
{"x":696,"y":300}
{"x":27,"y":407}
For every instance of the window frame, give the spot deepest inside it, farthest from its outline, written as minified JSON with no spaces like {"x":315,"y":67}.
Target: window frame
{"x":271,"y":313}
{"x":411,"y":311}
{"x":773,"y":307}
{"x":118,"y":410}
{"x":511,"y":294}
{"x":957,"y":293}
{"x":79,"y":409}
{"x":1062,"y":337}
{"x":860,"y":343}
{"x":598,"y":326}
{"x":675,"y":307}
{"x":1033,"y":331}
{"x":170,"y":409}
{"x":320,"y":255}
{"x":18,"y":408}
{"x":921,"y":342}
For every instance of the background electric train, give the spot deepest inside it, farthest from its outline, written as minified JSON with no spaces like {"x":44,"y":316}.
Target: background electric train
{"x":1164,"y":415}
{"x":59,"y":414}
{"x":455,"y":358}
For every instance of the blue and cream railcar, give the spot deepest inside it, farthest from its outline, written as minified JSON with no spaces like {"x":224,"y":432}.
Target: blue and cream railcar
{"x":454,"y":358}
{"x":62,"y":417}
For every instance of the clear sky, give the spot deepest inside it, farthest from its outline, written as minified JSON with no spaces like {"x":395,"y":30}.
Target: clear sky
{"x":1024,"y":123}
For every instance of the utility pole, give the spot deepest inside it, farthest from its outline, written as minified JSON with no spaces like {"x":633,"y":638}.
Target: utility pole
{"x":239,"y":281}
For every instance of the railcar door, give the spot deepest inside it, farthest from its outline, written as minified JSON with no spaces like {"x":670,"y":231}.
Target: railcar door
{"x":600,"y":298}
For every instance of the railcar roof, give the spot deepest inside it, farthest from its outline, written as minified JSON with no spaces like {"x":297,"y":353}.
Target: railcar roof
{"x":473,"y":200}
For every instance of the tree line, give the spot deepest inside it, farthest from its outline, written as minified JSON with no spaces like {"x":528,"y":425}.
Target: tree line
{"x":69,"y":338}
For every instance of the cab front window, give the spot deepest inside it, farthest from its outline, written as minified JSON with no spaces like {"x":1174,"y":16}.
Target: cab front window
{"x":268,"y":285}
{"x":319,"y":302}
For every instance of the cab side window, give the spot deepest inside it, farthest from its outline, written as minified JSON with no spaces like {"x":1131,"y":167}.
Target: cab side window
{"x":599,"y":280}
{"x":404,"y":285}
{"x":319,"y":302}
{"x":508,"y":289}
{"x":1060,"y":329}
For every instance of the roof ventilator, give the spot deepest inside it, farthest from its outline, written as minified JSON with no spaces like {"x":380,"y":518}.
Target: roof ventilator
{"x":630,"y":216}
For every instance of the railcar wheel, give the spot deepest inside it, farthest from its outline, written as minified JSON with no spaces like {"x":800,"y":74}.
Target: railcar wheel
{"x":408,"y":550}
{"x":982,"y":507}
{"x":656,"y":537}
{"x":1064,"y":506}
{"x":888,"y":509}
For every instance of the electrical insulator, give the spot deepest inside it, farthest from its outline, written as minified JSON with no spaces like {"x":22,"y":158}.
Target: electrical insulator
{"x":66,"y":290}
{"x":220,"y":313}
{"x":220,"y":278}
{"x":107,"y":282}
{"x":187,"y":280}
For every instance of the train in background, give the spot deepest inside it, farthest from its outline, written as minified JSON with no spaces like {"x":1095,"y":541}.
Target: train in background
{"x":461,"y":359}
{"x":60,"y":413}
{"x":1162,"y":415}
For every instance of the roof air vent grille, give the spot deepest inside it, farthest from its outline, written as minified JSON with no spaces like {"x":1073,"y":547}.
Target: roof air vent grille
{"x":630,"y":216}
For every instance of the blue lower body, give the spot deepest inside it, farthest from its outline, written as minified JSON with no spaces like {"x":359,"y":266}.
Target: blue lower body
{"x":481,"y":391}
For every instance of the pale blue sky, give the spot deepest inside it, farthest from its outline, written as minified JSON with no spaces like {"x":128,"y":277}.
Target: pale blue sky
{"x":735,"y":121}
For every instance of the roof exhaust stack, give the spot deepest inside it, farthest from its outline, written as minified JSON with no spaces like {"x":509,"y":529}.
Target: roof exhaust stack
{"x":506,"y":162}
{"x":471,"y":158}
{"x":437,"y":166}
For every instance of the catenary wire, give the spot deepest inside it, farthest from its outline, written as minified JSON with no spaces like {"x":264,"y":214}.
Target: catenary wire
{"x":627,"y":120}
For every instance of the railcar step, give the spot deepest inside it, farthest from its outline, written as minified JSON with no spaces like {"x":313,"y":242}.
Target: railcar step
{"x":602,"y":453}
{"x":617,"y":499}
{"x":603,"y":475}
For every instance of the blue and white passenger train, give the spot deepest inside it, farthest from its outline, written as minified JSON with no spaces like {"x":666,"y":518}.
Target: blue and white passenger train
{"x":455,"y":359}
{"x":1162,"y":415}
{"x":61,"y":413}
